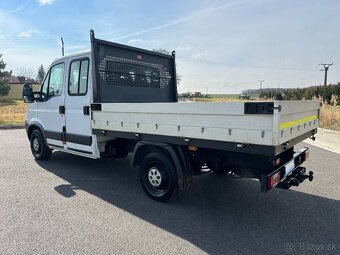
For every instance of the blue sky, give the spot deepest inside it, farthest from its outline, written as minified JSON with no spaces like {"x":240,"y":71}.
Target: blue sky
{"x":221,"y":46}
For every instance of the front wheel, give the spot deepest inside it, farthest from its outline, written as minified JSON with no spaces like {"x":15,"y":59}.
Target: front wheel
{"x":39,"y":148}
{"x":158,"y":176}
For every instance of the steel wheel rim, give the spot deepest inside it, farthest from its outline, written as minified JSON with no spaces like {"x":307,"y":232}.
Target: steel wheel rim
{"x":155,"y":177}
{"x":36,"y":144}
{"x":163,"y":184}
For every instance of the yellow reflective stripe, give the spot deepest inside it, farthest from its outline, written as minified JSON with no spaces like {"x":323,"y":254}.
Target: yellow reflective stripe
{"x":297,"y":122}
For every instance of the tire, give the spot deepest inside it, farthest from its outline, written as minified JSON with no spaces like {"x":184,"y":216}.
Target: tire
{"x":158,"y":176}
{"x":39,"y":148}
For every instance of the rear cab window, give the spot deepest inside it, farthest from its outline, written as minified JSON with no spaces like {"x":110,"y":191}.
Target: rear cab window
{"x":78,"y":77}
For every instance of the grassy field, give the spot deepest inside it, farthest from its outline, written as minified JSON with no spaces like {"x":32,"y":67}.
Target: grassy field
{"x":330,"y":117}
{"x":225,"y":96}
{"x":217,"y":99}
{"x":12,"y":112}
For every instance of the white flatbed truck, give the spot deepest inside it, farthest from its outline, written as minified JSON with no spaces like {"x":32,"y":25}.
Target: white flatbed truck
{"x":115,"y":99}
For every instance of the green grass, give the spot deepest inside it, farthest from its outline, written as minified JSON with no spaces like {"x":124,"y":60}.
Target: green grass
{"x":226,"y":96}
{"x":216,"y":99}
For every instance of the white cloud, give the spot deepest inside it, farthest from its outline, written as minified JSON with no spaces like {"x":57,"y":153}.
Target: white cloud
{"x":16,"y":10}
{"x":46,"y":2}
{"x":28,"y":33}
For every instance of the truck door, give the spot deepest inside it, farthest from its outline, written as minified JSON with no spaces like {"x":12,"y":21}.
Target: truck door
{"x":50,"y":109}
{"x":77,"y":102}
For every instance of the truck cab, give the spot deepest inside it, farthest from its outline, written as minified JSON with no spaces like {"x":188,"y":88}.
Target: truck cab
{"x":62,"y":106}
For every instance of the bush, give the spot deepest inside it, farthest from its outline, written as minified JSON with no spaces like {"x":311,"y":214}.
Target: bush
{"x":328,"y":94}
{"x":4,"y":89}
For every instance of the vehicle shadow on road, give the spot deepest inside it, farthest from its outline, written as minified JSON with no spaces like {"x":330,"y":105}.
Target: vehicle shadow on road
{"x":220,"y":215}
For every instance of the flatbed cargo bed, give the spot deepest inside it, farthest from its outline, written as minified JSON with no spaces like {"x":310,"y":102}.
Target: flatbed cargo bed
{"x":258,"y":123}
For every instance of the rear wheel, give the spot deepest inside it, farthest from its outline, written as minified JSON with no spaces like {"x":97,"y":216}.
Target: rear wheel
{"x":158,"y":176}
{"x":39,"y":148}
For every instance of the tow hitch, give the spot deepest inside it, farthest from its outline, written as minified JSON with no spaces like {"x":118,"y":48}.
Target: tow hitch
{"x":290,"y":174}
{"x":295,"y":178}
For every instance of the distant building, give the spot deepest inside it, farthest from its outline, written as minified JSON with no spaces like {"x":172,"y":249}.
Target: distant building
{"x":24,"y":79}
{"x":16,"y":79}
{"x":10,"y":79}
{"x":16,"y":84}
{"x":195,"y":94}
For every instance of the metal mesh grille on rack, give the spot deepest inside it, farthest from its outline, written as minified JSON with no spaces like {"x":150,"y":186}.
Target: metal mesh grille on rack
{"x":126,"y":72}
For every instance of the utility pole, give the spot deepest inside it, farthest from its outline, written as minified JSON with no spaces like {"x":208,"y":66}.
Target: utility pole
{"x":325,"y":69}
{"x":62,"y":46}
{"x":260,"y":81}
{"x":207,"y":89}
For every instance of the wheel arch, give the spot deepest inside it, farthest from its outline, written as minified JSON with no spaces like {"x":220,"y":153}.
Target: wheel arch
{"x":33,"y":126}
{"x":176,"y":153}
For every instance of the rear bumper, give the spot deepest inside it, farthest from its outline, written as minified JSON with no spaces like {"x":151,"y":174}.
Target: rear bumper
{"x":290,"y":174}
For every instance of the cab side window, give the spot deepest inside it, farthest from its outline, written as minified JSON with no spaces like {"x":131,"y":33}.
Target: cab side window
{"x":44,"y":86}
{"x":53,"y":83}
{"x":78,"y":77}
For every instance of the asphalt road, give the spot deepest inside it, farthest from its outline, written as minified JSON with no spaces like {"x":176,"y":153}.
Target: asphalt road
{"x":74,"y":205}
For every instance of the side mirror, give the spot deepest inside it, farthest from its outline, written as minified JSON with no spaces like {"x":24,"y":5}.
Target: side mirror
{"x":27,"y":93}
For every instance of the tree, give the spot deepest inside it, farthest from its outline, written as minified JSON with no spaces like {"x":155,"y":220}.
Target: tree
{"x":41,"y":74}
{"x":4,"y":88}
{"x":25,"y":73}
{"x":165,"y":51}
{"x":2,"y":65}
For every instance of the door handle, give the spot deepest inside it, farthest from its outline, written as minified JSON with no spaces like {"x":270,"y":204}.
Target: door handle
{"x":86,"y":110}
{"x":62,"y":109}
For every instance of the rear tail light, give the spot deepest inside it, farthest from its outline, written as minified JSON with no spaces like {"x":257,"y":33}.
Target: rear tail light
{"x":273,"y":180}
{"x":306,"y":155}
{"x":277,"y":161}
